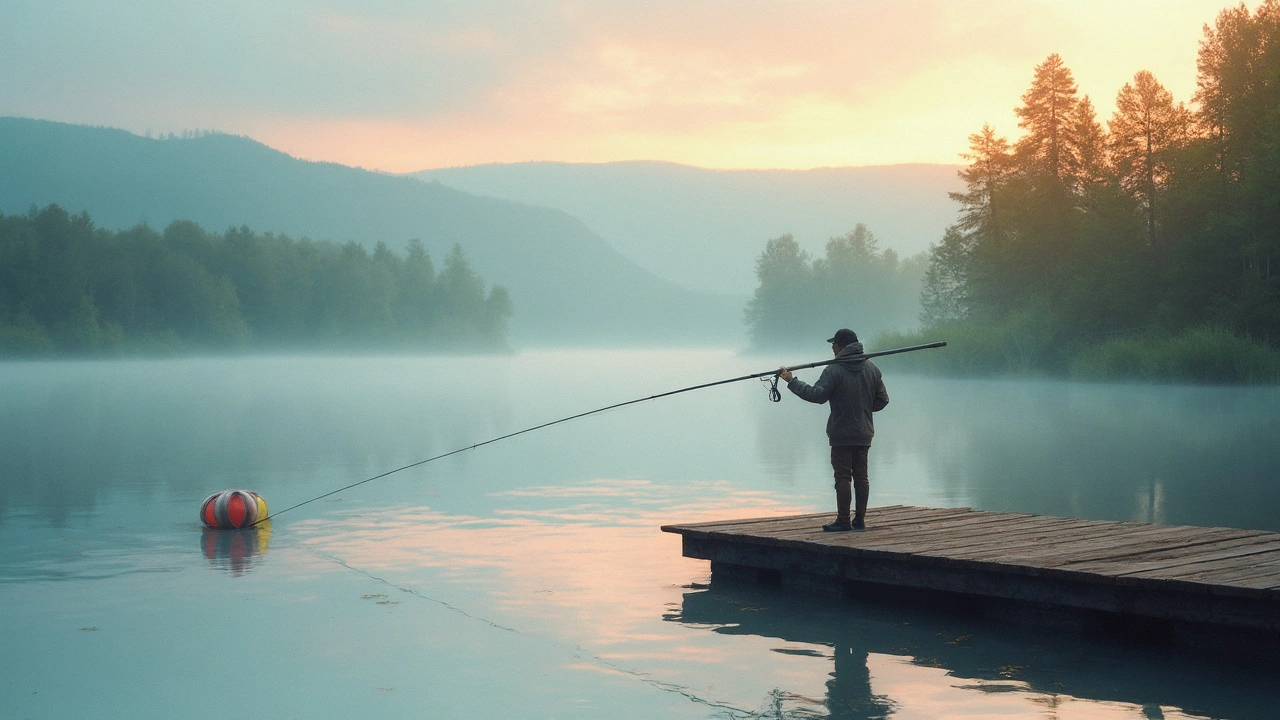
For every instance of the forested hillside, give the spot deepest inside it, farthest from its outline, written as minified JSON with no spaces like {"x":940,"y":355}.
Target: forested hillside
{"x":569,"y":286}
{"x":1148,"y":246}
{"x":68,"y":287}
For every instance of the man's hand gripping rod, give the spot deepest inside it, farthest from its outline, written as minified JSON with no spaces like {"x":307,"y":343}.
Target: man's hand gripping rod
{"x":772,"y":377}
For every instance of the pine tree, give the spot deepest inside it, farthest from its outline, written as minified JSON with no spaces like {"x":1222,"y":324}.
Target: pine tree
{"x":1228,"y":63}
{"x":1044,"y":199}
{"x":945,"y":296}
{"x":1238,"y":100}
{"x":990,"y":164}
{"x":1145,"y":130}
{"x":1046,"y":114}
{"x":783,"y":295}
{"x":1087,"y":142}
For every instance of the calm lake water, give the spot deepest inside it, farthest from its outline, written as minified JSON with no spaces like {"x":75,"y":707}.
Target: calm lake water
{"x":528,"y":579}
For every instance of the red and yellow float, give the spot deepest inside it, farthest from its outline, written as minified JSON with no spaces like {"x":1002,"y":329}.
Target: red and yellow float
{"x":230,"y":509}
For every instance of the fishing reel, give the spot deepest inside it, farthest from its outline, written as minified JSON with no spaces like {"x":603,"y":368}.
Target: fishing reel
{"x":772,"y":382}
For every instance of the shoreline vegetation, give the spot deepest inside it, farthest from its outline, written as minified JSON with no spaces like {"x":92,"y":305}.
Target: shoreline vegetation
{"x":69,"y":289}
{"x":1204,"y":354}
{"x":1146,"y":249}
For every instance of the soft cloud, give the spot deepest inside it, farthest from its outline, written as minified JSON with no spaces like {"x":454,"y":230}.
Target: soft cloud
{"x":405,"y":85}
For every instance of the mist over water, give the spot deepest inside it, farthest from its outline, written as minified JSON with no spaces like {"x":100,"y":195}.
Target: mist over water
{"x":528,"y":578}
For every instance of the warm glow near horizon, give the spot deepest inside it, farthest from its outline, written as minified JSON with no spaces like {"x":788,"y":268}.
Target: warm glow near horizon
{"x":744,"y":84}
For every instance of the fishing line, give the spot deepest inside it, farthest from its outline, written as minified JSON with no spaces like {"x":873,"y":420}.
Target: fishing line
{"x":578,"y":650}
{"x":766,"y":375}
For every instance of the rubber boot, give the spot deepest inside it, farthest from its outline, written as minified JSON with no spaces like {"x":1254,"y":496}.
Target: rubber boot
{"x":844,"y":495}
{"x":863,"y":490}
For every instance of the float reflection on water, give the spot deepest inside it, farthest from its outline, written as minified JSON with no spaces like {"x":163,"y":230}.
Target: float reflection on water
{"x":236,"y":550}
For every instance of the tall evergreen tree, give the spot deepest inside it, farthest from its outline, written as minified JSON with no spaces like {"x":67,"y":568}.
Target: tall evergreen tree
{"x":417,"y":294}
{"x":1048,"y":108}
{"x":1146,"y":130}
{"x":990,"y":165}
{"x":1238,"y":99}
{"x":783,"y":294}
{"x":1230,"y":64}
{"x":1087,"y":142}
{"x":945,"y":297}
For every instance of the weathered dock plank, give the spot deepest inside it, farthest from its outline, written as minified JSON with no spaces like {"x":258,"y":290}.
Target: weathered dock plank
{"x":1219,"y":580}
{"x":1179,"y":555}
{"x":1221,"y":568}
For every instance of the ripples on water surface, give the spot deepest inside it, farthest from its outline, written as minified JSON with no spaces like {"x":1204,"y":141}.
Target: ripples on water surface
{"x":528,"y":578}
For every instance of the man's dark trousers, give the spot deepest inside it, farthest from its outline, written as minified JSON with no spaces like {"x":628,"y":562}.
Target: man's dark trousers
{"x":850,"y":465}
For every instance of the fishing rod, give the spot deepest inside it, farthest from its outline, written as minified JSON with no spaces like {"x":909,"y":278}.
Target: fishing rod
{"x":766,"y":375}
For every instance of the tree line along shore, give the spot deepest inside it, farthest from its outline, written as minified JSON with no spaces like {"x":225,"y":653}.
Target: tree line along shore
{"x":69,"y":288}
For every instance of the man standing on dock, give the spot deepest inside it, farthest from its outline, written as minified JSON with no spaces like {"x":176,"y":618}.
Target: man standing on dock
{"x":855,"y":390}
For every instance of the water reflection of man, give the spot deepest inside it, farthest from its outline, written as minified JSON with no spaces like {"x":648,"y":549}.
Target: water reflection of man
{"x":855,"y":390}
{"x":849,"y":694}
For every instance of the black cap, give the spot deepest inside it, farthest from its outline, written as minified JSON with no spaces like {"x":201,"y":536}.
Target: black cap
{"x":844,"y":337}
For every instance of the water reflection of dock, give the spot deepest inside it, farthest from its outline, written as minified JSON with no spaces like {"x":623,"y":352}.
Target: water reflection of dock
{"x":1169,"y":583}
{"x":982,"y":661}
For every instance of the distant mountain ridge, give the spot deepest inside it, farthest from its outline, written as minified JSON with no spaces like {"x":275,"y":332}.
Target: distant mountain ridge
{"x":704,"y":228}
{"x":568,"y":286}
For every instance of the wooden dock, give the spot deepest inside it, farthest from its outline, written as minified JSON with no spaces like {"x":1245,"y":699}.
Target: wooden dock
{"x":1177,"y":583}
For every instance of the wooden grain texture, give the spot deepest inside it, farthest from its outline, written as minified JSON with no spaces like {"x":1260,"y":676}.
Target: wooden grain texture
{"x":1205,"y":575}
{"x":1224,"y":567}
{"x":1180,"y":555}
{"x":1098,"y":543}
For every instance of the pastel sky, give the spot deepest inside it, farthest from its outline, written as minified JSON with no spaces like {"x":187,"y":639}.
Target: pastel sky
{"x":402,"y":85}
